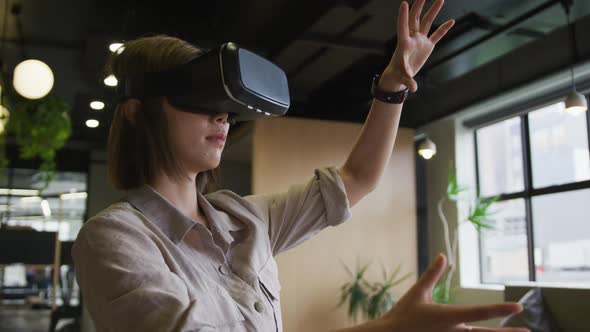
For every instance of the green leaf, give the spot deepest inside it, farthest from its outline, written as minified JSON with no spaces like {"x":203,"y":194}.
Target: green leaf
{"x":40,"y":127}
{"x":453,"y":188}
{"x":346,"y":268}
{"x":370,"y":299}
{"x":400,"y":280}
{"x":479,"y":215}
{"x":440,"y":294}
{"x":356,"y":292}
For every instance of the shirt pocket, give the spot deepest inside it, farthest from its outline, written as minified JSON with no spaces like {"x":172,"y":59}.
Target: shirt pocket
{"x":217,"y":310}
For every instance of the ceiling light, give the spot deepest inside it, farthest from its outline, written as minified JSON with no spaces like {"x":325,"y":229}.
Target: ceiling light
{"x":33,"y":79}
{"x":29,"y":199}
{"x":45,"y":207}
{"x":77,"y":195}
{"x":92,"y":123}
{"x":97,"y":105}
{"x":427,"y":149}
{"x":575,"y":103}
{"x":111,"y":80}
{"x":19,"y":192}
{"x":114,"y":47}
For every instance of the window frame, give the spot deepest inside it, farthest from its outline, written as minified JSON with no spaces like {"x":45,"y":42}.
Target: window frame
{"x":529,"y":191}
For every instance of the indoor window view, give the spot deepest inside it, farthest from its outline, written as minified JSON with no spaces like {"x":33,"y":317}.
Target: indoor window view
{"x":540,"y":232}
{"x":276,"y":165}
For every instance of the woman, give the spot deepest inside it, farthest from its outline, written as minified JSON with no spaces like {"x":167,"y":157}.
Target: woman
{"x":167,"y":258}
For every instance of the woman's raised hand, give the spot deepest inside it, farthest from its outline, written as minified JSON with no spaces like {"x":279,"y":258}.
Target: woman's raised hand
{"x":414,"y":46}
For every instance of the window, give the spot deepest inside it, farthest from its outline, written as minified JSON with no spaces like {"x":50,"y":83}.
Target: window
{"x":539,"y":164}
{"x":60,"y":207}
{"x":29,"y":209}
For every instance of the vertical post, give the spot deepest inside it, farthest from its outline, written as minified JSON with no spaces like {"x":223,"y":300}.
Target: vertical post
{"x":57,"y":256}
{"x":528,"y":188}
{"x":477,"y":193}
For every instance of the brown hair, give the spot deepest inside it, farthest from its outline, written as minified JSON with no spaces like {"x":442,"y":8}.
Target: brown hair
{"x":137,"y":151}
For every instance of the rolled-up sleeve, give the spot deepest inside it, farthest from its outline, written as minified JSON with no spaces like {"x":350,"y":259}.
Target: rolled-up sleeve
{"x":305,"y":209}
{"x":126,"y":283}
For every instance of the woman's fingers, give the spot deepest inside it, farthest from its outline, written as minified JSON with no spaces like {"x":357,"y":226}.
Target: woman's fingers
{"x":441,"y":31}
{"x":415,"y":15}
{"x":428,"y":19}
{"x":432,"y":275}
{"x":402,"y":22}
{"x":455,"y":314}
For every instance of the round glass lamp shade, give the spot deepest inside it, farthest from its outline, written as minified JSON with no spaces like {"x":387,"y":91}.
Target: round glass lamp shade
{"x":33,"y":79}
{"x":427,"y":149}
{"x":111,"y":80}
{"x":576,"y":103}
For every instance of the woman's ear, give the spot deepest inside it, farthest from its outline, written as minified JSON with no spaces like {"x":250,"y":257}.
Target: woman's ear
{"x":130,"y":107}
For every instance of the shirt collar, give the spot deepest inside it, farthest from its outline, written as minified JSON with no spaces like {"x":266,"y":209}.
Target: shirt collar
{"x":174,"y":223}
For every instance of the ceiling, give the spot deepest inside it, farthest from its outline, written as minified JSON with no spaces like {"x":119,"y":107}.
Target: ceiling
{"x":329,"y":49}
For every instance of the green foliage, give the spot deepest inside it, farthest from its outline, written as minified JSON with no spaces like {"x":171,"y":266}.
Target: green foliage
{"x":381,"y":300}
{"x":355,"y":292}
{"x":41,"y":127}
{"x":442,"y":295}
{"x":479,"y":215}
{"x":371,"y":300}
{"x":4,"y":118}
{"x":453,"y":188}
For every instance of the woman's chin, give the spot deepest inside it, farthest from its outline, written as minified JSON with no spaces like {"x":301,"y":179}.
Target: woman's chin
{"x":213,"y":164}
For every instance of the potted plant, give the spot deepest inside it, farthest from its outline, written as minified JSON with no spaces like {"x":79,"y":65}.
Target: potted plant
{"x":369,"y":299}
{"x":479,"y":216}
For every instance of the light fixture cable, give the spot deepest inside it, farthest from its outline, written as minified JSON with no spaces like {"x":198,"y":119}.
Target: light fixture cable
{"x":567,"y":4}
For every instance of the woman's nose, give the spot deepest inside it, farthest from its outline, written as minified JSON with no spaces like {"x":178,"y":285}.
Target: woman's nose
{"x":220,"y":117}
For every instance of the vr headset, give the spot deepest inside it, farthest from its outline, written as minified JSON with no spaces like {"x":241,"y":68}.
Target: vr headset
{"x":225,"y":79}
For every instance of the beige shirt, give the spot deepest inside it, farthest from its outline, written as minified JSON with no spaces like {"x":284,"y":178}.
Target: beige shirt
{"x":144,"y":266}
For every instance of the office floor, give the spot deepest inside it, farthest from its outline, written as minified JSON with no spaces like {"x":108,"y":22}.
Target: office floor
{"x":14,"y":319}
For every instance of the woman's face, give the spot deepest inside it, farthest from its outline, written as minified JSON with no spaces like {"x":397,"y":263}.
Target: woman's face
{"x":197,"y":139}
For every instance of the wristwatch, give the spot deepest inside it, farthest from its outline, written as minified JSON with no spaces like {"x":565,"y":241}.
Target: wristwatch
{"x":396,"y":97}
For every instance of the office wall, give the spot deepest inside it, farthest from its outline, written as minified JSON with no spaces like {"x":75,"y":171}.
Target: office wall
{"x":382,"y":229}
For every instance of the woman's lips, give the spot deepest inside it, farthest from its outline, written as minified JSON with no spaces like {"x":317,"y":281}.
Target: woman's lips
{"x":217,"y":139}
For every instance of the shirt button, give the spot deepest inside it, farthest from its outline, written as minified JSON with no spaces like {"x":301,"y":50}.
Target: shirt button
{"x":259,"y":306}
{"x":223,"y":270}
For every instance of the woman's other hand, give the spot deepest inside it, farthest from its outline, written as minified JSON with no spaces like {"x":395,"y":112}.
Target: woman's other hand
{"x":417,"y":312}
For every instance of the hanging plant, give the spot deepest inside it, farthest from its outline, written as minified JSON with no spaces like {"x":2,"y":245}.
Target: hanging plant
{"x":4,"y":117}
{"x":40,"y":127}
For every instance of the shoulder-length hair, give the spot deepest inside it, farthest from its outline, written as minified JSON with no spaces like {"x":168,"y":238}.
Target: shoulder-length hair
{"x":138,"y":151}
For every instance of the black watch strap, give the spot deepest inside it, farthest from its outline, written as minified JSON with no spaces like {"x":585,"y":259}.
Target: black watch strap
{"x":397,"y":97}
